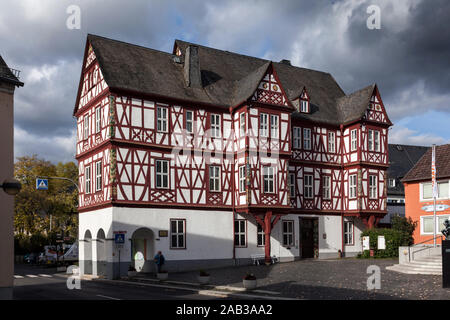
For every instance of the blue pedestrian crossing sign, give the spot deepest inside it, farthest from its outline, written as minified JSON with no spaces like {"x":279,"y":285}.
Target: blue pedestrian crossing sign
{"x":41,"y":184}
{"x":119,"y":238}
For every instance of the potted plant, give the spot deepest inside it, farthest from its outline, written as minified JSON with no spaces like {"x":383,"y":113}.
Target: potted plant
{"x":162,"y":275}
{"x":131,"y":271}
{"x":249,"y":281}
{"x":203,"y":277}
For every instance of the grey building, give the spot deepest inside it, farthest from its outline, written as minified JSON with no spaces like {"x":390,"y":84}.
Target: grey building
{"x":402,"y":158}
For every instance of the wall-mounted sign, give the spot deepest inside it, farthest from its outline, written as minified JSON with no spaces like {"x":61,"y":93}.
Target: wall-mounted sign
{"x":381,"y":243}
{"x":163,"y":233}
{"x":439,"y":207}
{"x":366,"y":243}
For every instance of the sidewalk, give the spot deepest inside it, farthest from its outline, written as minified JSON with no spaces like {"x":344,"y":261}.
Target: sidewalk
{"x":339,"y":279}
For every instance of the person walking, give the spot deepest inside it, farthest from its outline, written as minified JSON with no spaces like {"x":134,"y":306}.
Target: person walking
{"x":159,"y":261}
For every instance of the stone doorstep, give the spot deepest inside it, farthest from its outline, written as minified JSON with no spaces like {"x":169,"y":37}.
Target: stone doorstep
{"x":413,"y":270}
{"x":211,"y":287}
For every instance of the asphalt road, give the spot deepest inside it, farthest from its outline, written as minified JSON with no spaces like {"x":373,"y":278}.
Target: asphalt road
{"x":39,"y":283}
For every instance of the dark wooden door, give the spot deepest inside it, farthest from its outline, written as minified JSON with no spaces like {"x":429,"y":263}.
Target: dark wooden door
{"x":308,"y":237}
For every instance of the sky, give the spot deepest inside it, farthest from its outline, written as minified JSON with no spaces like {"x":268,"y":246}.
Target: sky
{"x":408,"y":56}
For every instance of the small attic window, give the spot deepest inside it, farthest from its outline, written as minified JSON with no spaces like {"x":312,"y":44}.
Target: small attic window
{"x":304,"y":102}
{"x":178,"y":51}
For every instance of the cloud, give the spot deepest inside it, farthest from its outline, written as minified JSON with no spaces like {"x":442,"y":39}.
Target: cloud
{"x":403,"y":135}
{"x":407,"y":57}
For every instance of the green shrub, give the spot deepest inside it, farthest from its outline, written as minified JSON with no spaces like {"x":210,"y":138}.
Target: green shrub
{"x":393,"y":239}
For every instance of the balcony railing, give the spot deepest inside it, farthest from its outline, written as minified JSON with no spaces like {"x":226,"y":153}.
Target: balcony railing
{"x":9,"y":73}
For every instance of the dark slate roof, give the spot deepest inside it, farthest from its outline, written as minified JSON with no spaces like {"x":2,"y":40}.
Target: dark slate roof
{"x":7,"y":75}
{"x":227,"y":78}
{"x":422,"y":169}
{"x":401,"y":159}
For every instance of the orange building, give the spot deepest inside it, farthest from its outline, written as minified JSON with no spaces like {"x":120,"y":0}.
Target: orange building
{"x":419,"y":195}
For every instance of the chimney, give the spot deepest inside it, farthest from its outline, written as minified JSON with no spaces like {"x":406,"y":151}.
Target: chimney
{"x":192,"y":73}
{"x":285,"y":61}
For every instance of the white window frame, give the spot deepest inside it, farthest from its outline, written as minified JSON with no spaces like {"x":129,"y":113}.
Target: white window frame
{"x":242,"y":123}
{"x":215,"y":125}
{"x":190,"y":122}
{"x":98,"y":119}
{"x":242,"y":223}
{"x":349,"y":233}
{"x":391,"y":182}
{"x":326,"y":187}
{"x":177,"y":233}
{"x":264,"y":125}
{"x":164,"y":176}
{"x":308,"y":186}
{"x":274,"y":126}
{"x":331,"y":142}
{"x":288,"y":233}
{"x":292,"y":185}
{"x":373,"y":186}
{"x":269,"y":177}
{"x":260,"y":235}
{"x":86,"y":127}
{"x":352,"y":183}
{"x":440,"y":196}
{"x":242,"y":178}
{"x":307,"y":138}
{"x":98,"y":176}
{"x":297,"y":133}
{"x":304,"y":105}
{"x":87,"y":179}
{"x":214,"y":177}
{"x":377,"y":146}
{"x":353,"y":140}
{"x":162,"y":116}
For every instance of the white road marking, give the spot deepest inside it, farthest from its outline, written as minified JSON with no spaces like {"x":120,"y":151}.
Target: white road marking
{"x":32,"y":276}
{"x":45,"y":275}
{"x":18,"y":277}
{"x":99,"y":295}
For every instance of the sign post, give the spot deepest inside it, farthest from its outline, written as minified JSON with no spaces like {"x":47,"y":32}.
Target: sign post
{"x":435,"y":189}
{"x":119,"y":241}
{"x":41,"y":184}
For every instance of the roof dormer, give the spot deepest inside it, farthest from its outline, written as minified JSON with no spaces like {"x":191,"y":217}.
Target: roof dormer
{"x":304,"y":105}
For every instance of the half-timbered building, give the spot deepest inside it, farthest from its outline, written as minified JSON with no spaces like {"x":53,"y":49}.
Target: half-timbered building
{"x":213,"y":157}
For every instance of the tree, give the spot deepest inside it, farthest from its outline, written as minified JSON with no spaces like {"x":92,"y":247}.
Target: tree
{"x":406,"y":226}
{"x":33,"y":208}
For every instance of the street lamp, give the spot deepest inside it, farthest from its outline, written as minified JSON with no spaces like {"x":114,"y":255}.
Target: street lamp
{"x":11,"y":186}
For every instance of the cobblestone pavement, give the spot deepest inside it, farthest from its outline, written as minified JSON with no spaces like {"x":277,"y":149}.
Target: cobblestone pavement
{"x":343,"y":279}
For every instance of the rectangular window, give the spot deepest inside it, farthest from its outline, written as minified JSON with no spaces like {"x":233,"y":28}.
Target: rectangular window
{"x":98,"y":119}
{"x":161,"y":119}
{"x":348,"y":232}
{"x":326,"y":191}
{"x":261,"y":238}
{"x":306,"y":138}
{"x":308,"y":186}
{"x":214,"y":178}
{"x":215,"y":125}
{"x":87,"y":178}
{"x":331,"y":142}
{"x":189,"y":121}
{"x":240,"y":233}
{"x":427,"y":191}
{"x":443,"y":190}
{"x":370,"y":140}
{"x":242,"y":179}
{"x":376,"y":141}
{"x":177,"y":234}
{"x":242,"y":124}
{"x":391,"y":183}
{"x":354,"y":140}
{"x":292,"y":184}
{"x":162,"y":174}
{"x":304,"y":106}
{"x":427,"y":225}
{"x":98,"y":176}
{"x":297,"y":138}
{"x":274,"y":126}
{"x":352,"y":186}
{"x":288,"y":233}
{"x":263,"y":124}
{"x":86,"y":127}
{"x":268,"y":177}
{"x":373,"y":187}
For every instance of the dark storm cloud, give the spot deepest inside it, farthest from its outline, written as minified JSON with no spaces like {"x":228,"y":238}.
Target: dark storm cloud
{"x":408,"y":57}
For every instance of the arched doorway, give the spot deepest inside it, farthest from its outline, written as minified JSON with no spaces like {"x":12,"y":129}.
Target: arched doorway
{"x":87,"y":256}
{"x":142,"y":250}
{"x":101,"y":253}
